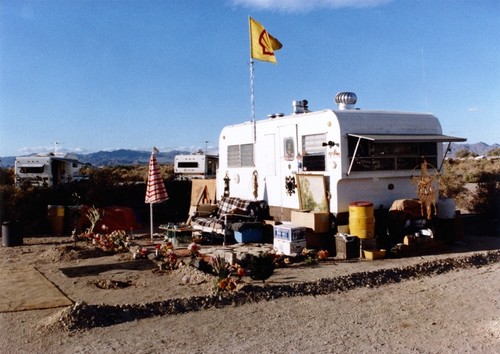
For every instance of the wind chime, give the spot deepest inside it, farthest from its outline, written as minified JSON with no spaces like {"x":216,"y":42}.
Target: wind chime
{"x":426,"y":191}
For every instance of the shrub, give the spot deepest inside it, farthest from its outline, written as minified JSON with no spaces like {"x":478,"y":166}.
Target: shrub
{"x":494,"y":152}
{"x":6,"y":176}
{"x":123,"y":186}
{"x":451,"y":185}
{"x":483,"y":200}
{"x":261,"y":267}
{"x":463,"y":153}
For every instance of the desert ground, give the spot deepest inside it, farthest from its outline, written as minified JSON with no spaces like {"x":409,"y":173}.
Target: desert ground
{"x":446,"y":302}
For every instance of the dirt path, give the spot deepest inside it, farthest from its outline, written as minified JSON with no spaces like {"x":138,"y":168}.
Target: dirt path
{"x":454,"y":312}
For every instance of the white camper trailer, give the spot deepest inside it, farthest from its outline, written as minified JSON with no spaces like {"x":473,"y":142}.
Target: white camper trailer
{"x":47,"y":170}
{"x":336,"y":157}
{"x":196,"y":166}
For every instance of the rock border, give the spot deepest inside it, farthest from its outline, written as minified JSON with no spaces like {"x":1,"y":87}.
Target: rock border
{"x":82,"y":316}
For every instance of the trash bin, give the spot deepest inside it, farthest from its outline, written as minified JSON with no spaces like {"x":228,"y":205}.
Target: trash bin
{"x":445,"y":222}
{"x":55,"y":216}
{"x":11,"y":234}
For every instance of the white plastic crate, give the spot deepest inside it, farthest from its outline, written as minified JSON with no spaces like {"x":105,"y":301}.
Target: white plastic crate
{"x":288,"y":247}
{"x":289,"y":232}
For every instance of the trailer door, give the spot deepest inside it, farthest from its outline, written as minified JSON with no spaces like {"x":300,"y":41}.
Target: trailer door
{"x":288,"y":166}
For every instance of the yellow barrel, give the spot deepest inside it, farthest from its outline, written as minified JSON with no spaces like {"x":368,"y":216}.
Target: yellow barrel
{"x":361,"y":219}
{"x":55,"y":215}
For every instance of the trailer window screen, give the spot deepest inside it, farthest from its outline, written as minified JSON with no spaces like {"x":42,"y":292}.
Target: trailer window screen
{"x":240,"y":155}
{"x":313,"y":152}
{"x":390,"y":156}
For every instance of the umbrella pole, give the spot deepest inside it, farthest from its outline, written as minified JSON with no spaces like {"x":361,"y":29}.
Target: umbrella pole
{"x":151,"y":219}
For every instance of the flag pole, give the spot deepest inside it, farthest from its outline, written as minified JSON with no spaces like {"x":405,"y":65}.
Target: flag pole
{"x":252,"y":95}
{"x":252,"y":98}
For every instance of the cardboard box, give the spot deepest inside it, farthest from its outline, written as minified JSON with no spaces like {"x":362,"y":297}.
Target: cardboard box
{"x":288,"y":247}
{"x":374,"y":254}
{"x":290,"y":232}
{"x":318,"y":222}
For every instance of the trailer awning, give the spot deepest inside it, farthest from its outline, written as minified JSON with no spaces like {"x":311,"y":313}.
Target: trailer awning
{"x":405,"y":138}
{"x":408,"y":138}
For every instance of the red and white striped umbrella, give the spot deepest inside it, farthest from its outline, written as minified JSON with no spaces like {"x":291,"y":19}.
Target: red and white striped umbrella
{"x":155,"y":190}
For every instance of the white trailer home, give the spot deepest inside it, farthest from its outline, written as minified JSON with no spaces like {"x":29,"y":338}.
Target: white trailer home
{"x":196,"y":166}
{"x":336,"y":156}
{"x":47,"y":170}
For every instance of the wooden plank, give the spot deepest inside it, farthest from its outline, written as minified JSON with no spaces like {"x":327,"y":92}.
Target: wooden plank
{"x":198,"y":185}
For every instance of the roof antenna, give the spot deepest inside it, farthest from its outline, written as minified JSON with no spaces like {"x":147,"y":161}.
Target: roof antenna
{"x":424,"y":77}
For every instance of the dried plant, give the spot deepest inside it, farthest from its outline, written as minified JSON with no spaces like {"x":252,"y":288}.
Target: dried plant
{"x":94,"y":216}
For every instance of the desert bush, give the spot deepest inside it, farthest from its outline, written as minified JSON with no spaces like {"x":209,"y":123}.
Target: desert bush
{"x":106,"y":187}
{"x":483,"y":200}
{"x":6,"y":176}
{"x":25,"y":205}
{"x":451,"y":185}
{"x":462,"y":153}
{"x":494,"y":152}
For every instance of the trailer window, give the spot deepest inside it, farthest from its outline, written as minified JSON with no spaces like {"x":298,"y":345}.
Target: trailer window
{"x":313,"y":152}
{"x":240,"y":155}
{"x":398,"y":156}
{"x":188,"y":164}
{"x":37,"y":169}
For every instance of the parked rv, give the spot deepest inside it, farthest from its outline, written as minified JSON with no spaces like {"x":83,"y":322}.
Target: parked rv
{"x":196,"y":166}
{"x":336,"y":156}
{"x":47,"y":169}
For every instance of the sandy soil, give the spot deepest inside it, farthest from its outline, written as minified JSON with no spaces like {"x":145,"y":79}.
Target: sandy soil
{"x":455,"y":311}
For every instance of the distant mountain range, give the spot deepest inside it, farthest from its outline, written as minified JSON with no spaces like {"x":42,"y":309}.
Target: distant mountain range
{"x":480,"y":149}
{"x":133,"y":157}
{"x":127,"y":157}
{"x":122,"y":157}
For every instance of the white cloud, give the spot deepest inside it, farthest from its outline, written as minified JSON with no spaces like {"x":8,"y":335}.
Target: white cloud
{"x":303,"y":5}
{"x":474,"y":109}
{"x":28,"y":150}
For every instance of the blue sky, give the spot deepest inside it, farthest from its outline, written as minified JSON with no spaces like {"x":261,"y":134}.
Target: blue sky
{"x":104,"y":75}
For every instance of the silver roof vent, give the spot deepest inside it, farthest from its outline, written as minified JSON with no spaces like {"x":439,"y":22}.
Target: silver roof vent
{"x":346,"y":100}
{"x":300,"y":106}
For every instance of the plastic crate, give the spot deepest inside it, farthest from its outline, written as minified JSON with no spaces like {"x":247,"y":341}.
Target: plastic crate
{"x":248,"y":235}
{"x":289,"y":232}
{"x":288,"y":247}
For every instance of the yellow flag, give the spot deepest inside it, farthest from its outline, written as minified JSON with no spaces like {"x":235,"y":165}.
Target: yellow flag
{"x":262,"y":44}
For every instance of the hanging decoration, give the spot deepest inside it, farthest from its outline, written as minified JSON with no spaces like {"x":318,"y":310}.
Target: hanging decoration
{"x":290,"y":185}
{"x":255,"y":179}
